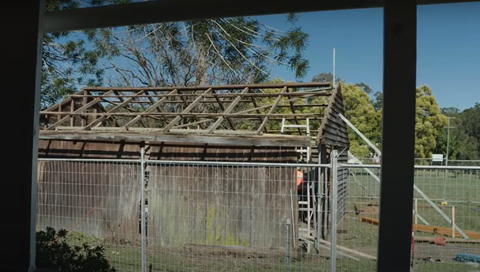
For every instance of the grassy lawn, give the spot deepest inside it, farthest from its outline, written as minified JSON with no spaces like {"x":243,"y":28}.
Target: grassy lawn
{"x":129,"y":260}
{"x":462,"y":191}
{"x":444,"y":267}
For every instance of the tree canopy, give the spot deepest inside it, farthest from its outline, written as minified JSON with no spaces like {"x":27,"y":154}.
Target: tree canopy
{"x":67,"y":60}
{"x":429,"y":121}
{"x":206,"y":52}
{"x":229,"y":51}
{"x":363,"y":108}
{"x":361,"y":113}
{"x":217,"y":51}
{"x":464,"y":142}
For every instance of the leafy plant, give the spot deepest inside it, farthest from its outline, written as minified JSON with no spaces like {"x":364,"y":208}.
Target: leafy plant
{"x":53,"y":252}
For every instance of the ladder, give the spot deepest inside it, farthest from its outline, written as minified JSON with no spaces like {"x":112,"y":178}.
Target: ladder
{"x":306,"y":151}
{"x":305,"y":206}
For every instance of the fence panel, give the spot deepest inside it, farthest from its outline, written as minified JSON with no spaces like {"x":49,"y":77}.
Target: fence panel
{"x":96,"y":202}
{"x":441,"y":231}
{"x":357,"y":240}
{"x":204,"y":216}
{"x":439,"y":192}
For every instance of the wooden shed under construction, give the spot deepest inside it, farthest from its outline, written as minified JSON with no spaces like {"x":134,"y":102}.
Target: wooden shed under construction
{"x":176,"y":126}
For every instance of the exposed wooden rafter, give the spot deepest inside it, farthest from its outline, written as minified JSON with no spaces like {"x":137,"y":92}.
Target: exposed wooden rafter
{"x":246,"y":110}
{"x":150,"y":109}
{"x":104,"y":117}
{"x":82,"y":108}
{"x":185,"y":111}
{"x":272,"y":109}
{"x":227,"y":111}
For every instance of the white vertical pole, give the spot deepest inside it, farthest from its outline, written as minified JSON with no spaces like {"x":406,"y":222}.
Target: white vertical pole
{"x":333,"y":80}
{"x":326,"y":202}
{"x":416,"y":210}
{"x":308,"y":206}
{"x":142,"y":212}
{"x":318,"y":196}
{"x":446,"y":160}
{"x":453,"y":222}
{"x":333,"y":214}
{"x":288,"y":246}
{"x":308,"y":134}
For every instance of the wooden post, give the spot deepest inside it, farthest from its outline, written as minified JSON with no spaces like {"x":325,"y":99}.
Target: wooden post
{"x":94,"y":116}
{"x":453,"y":222}
{"x":83,"y":118}
{"x":72,"y":109}
{"x":60,"y":110}
{"x":397,"y":176}
{"x":24,"y":64}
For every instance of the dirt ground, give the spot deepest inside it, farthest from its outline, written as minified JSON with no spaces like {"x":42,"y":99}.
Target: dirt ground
{"x":422,"y":251}
{"x":445,"y":253}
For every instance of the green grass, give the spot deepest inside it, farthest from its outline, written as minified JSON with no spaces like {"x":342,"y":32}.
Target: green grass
{"x":128,"y":258}
{"x":183,"y":262}
{"x":444,"y":267}
{"x":462,"y":191}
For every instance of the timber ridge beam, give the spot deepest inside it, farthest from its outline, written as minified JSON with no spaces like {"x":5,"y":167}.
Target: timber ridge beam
{"x":233,"y":140}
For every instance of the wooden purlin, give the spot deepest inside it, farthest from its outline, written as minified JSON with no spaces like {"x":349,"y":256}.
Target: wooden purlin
{"x":185,"y":111}
{"x":82,"y":108}
{"x":150,"y":109}
{"x":293,"y":111}
{"x":104,"y":117}
{"x":150,"y":99}
{"x":272,"y":109}
{"x":220,"y":87}
{"x":227,"y":111}
{"x":121,"y":100}
{"x":231,"y":140}
{"x":212,"y":115}
{"x":231,"y":95}
{"x":65,"y":101}
{"x":220,"y":104}
{"x":255,"y":105}
{"x":186,"y":105}
{"x":192,"y":114}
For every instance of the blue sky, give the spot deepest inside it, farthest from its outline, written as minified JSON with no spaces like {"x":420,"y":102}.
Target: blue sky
{"x":448,"y":58}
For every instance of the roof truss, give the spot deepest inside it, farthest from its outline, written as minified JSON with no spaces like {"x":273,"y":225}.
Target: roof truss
{"x":248,"y":110}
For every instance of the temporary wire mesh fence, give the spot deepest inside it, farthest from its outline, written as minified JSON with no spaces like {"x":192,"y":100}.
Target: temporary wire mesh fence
{"x":206,"y":216}
{"x":430,"y":161}
{"x":96,"y":201}
{"x":448,"y":219}
{"x":446,"y":211}
{"x":219,"y":217}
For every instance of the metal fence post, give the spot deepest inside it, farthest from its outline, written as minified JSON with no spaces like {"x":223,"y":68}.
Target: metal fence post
{"x":288,"y":246}
{"x":142,"y":205}
{"x":333,"y":214}
{"x":318,"y":195}
{"x":326,"y":202}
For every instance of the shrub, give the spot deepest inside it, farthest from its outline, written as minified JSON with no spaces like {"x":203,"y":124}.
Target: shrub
{"x":53,"y":252}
